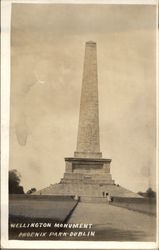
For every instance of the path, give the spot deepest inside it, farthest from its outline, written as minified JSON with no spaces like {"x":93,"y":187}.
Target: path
{"x":115,"y":223}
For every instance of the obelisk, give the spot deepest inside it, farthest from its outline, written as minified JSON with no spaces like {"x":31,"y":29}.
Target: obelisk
{"x":87,"y":166}
{"x":88,"y":142}
{"x":87,"y":174}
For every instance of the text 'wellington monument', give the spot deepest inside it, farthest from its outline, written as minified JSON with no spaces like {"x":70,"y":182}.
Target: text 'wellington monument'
{"x":87,"y":173}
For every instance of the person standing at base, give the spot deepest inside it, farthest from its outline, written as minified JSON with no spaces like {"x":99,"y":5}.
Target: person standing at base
{"x":108,"y":198}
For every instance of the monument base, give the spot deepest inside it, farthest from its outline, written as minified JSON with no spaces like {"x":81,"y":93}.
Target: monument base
{"x":87,"y":190}
{"x":87,"y":177}
{"x":87,"y":171}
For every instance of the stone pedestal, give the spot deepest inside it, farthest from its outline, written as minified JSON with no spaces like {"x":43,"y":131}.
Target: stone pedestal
{"x":87,"y":171}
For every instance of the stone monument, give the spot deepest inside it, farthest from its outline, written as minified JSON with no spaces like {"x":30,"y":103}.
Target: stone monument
{"x":87,"y":166}
{"x":87,"y":173}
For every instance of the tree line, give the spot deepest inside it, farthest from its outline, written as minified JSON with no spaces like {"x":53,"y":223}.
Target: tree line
{"x":14,"y":183}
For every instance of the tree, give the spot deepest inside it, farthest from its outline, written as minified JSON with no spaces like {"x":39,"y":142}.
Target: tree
{"x":30,"y":191}
{"x":14,"y":182}
{"x":148,"y":194}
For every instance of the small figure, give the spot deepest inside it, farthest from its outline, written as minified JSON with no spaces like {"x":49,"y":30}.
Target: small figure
{"x":108,"y":197}
{"x":76,"y":198}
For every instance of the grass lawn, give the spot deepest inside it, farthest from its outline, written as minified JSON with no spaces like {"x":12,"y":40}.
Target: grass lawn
{"x":23,"y":212}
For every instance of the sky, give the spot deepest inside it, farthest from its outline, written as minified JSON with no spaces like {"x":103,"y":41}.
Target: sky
{"x":47,"y":55}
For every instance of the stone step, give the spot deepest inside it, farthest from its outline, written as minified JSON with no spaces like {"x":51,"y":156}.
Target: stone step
{"x":86,"y":190}
{"x":93,"y":199}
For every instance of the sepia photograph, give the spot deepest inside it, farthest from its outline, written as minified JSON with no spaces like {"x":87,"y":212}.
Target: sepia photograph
{"x":82,"y":163}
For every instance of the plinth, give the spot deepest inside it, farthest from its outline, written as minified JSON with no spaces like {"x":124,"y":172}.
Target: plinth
{"x":87,"y":171}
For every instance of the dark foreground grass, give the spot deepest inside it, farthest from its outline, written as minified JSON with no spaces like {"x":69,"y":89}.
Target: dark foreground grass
{"x":34,"y":219}
{"x":24,"y":228}
{"x":57,"y":210}
{"x":144,"y":205}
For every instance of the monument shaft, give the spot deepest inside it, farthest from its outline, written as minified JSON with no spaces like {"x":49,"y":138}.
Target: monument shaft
{"x":88,"y":142}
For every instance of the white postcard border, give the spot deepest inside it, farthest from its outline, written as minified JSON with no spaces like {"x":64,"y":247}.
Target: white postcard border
{"x":5,"y":110}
